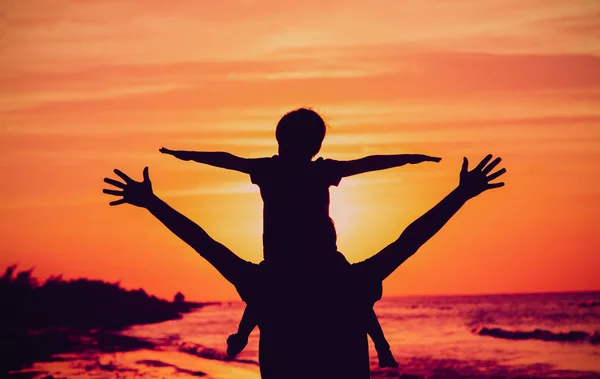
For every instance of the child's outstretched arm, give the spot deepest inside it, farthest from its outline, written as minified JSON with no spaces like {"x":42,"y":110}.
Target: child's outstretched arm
{"x":382,"y":162}
{"x":213,"y":158}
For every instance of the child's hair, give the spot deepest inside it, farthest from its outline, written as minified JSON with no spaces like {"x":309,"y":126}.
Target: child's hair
{"x":300,"y":132}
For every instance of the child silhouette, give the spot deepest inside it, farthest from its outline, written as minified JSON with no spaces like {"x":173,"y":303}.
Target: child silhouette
{"x":297,"y":229}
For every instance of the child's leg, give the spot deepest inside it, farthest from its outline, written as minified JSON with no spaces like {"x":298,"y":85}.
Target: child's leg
{"x":237,"y":342}
{"x":386,"y":359}
{"x":248,"y":322}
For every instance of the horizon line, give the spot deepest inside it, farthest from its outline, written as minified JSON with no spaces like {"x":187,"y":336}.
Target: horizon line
{"x":597,"y":291}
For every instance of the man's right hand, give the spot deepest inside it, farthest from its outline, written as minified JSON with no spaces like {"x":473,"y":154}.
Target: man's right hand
{"x":135,"y":193}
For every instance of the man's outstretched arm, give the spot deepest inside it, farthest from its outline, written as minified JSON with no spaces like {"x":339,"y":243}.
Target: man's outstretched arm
{"x":140,"y":194}
{"x":472,"y":183}
{"x":382,"y":162}
{"x":213,"y":158}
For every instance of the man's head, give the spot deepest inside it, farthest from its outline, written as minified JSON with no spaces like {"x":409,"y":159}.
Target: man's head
{"x":300,"y":134}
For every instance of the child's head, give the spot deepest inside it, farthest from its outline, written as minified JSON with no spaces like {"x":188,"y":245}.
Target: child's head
{"x":300,"y":134}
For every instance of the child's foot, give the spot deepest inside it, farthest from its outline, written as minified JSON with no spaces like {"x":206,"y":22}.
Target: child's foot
{"x":386,"y":359}
{"x":235,"y":344}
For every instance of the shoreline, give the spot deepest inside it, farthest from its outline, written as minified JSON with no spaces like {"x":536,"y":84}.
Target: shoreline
{"x":82,"y":315}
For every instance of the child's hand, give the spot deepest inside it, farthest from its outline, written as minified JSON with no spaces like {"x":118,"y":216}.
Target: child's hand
{"x":183,"y":155}
{"x":420,"y":158}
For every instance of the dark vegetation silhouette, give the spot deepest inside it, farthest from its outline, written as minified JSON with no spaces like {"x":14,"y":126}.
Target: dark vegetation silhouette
{"x":57,"y":316}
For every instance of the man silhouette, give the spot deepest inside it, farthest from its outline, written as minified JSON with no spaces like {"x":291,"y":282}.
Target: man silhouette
{"x":312,"y":324}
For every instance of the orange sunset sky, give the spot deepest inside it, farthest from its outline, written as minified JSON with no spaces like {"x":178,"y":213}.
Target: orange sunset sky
{"x":88,"y":86}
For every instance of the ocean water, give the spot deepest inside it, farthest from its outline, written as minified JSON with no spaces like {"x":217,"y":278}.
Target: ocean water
{"x":496,"y":336}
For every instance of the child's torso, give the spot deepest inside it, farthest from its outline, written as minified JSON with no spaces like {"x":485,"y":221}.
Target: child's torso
{"x":296,"y":208}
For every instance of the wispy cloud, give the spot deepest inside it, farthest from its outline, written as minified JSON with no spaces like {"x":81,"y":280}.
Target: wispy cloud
{"x":406,"y":77}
